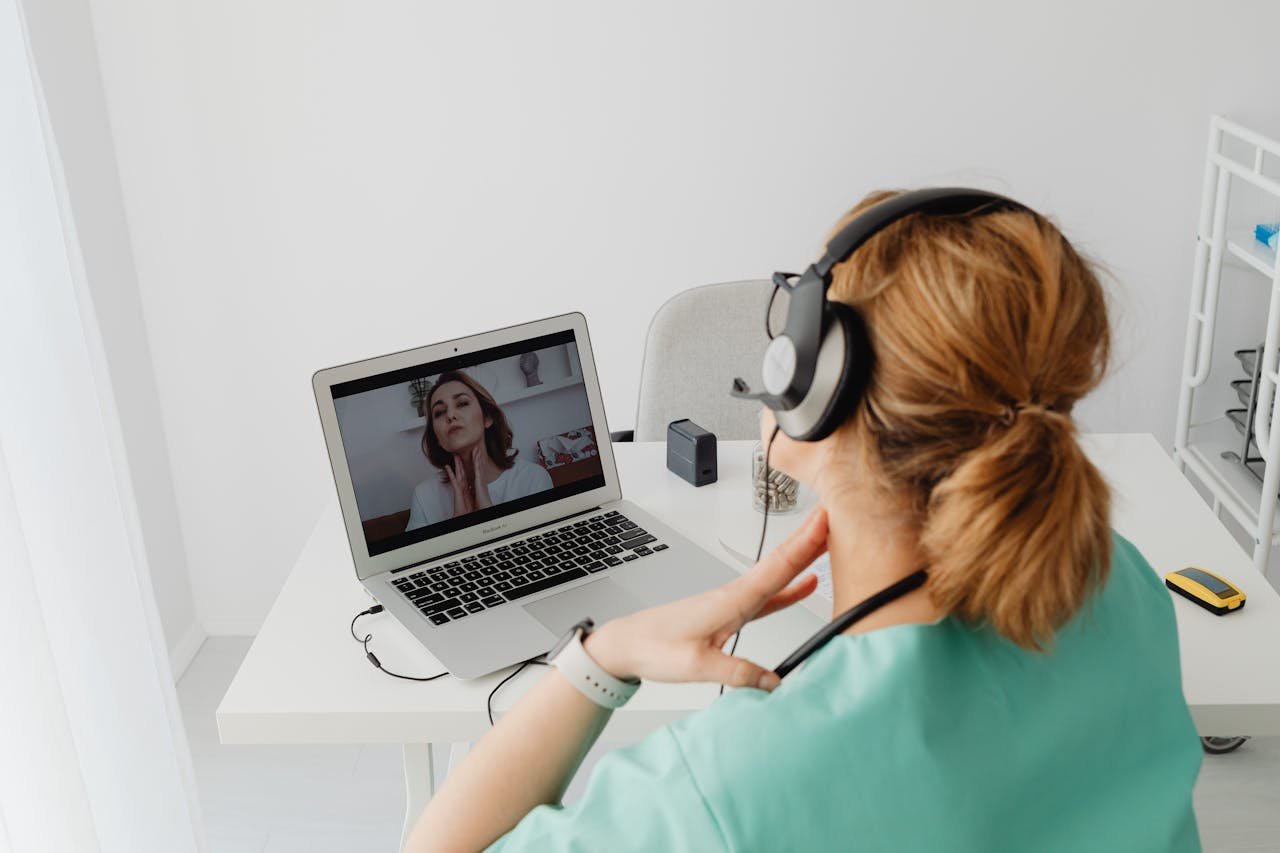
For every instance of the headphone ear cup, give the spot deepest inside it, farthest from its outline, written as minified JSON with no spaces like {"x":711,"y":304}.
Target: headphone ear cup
{"x":854,"y":374}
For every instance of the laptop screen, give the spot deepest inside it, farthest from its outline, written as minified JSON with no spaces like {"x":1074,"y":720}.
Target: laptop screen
{"x":445,"y":445}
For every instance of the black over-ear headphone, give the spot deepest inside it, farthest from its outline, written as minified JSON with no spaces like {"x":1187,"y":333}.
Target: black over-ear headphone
{"x":817,"y":368}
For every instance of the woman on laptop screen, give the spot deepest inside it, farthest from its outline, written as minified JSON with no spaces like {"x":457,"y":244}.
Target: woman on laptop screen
{"x":468,"y":440}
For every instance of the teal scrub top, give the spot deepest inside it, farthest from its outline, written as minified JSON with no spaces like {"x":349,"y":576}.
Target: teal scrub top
{"x":933,"y":737}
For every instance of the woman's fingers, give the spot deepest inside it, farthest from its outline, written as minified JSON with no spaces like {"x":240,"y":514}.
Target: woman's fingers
{"x":736,"y":672}
{"x":797,"y":591}
{"x":786,"y":561}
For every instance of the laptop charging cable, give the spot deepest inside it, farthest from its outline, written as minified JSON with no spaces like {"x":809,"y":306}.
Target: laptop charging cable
{"x":373,"y":659}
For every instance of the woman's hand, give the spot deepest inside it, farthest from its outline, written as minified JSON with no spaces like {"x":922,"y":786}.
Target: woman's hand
{"x":681,"y":641}
{"x":480,"y":491}
{"x":462,"y":501}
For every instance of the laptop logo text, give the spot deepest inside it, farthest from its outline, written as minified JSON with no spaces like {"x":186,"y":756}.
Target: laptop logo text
{"x":491,"y":529}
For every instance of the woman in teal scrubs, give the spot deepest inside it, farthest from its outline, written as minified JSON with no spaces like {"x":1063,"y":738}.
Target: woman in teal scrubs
{"x":1027,"y":697}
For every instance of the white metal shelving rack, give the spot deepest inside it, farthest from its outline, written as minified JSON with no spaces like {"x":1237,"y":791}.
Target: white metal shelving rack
{"x":1199,"y":447}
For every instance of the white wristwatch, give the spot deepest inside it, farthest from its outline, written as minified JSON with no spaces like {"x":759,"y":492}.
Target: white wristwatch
{"x":584,"y":673}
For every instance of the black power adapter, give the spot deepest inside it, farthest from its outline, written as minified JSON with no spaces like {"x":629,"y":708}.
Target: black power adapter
{"x":691,"y":452}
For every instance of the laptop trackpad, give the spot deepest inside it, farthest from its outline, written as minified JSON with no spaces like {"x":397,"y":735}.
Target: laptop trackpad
{"x":602,"y":600}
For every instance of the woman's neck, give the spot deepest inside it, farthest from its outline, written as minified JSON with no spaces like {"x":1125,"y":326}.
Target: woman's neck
{"x":870,"y":550}
{"x":488,"y":471}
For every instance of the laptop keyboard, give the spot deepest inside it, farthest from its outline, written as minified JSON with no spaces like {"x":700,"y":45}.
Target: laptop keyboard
{"x":456,"y":589}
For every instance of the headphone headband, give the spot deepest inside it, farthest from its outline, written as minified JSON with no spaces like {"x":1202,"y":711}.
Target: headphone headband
{"x":940,"y":201}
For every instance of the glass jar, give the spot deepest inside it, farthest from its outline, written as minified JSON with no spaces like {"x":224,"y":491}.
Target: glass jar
{"x":780,"y":490}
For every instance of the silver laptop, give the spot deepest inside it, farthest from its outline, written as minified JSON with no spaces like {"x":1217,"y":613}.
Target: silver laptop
{"x":480,"y":496}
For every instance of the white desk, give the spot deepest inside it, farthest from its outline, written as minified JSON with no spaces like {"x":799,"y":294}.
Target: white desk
{"x":306,"y":681}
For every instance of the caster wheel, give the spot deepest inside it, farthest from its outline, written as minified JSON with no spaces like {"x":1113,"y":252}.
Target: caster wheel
{"x":1221,"y":745}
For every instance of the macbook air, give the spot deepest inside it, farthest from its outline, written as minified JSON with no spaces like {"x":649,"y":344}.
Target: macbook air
{"x":480,"y":498}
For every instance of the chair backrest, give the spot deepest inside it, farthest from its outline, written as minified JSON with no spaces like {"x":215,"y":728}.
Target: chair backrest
{"x":698,"y":341}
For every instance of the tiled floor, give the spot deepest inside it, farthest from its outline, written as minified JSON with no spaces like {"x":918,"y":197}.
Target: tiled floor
{"x":291,"y":799}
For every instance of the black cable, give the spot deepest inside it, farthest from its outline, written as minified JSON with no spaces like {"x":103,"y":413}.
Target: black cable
{"x":373,"y":659}
{"x":488,"y":703}
{"x":764,"y":526}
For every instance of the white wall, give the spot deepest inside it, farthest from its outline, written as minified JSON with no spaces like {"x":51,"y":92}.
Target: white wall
{"x":313,"y":182}
{"x":64,"y":54}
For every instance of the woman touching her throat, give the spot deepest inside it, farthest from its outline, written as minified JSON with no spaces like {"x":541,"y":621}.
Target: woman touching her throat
{"x":468,"y":440}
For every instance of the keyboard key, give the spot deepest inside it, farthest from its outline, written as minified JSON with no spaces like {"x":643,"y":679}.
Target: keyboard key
{"x":452,"y":565}
{"x":628,"y":558}
{"x":503,"y":586}
{"x":627,"y":525}
{"x":457,"y":613}
{"x":612,"y":514}
{"x":612,"y":561}
{"x":438,"y":618}
{"x":447,"y":604}
{"x":660,"y":547}
{"x":631,"y":534}
{"x":642,"y":540}
{"x":468,"y":597}
{"x":535,"y":575}
{"x":597,"y":566}
{"x":475,"y":607}
{"x":502,"y":576}
{"x":493,"y":601}
{"x":505,"y":564}
{"x":468,"y":586}
{"x":643,"y":551}
{"x":613,"y":549}
{"x":484,"y":554}
{"x":469,"y":559}
{"x":539,"y":585}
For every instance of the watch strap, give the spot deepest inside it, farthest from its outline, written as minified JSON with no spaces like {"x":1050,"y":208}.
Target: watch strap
{"x":581,"y":670}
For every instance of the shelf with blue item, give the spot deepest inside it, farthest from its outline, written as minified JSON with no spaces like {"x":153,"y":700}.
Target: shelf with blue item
{"x":1259,"y":257}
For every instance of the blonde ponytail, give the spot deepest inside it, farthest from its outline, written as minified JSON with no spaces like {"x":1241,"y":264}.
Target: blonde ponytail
{"x":987,"y":329}
{"x":1019,"y":533}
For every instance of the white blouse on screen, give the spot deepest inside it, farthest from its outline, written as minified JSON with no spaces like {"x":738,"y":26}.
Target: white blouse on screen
{"x":433,"y":500}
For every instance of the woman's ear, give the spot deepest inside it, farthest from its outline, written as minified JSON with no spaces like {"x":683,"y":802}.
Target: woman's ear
{"x":488,"y":422}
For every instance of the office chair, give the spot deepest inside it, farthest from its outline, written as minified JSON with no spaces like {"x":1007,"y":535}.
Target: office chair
{"x":697,"y":342}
